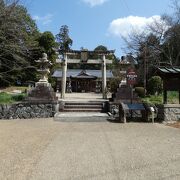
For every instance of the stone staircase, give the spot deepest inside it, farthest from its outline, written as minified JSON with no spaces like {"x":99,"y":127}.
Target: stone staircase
{"x":84,"y":106}
{"x":82,"y":111}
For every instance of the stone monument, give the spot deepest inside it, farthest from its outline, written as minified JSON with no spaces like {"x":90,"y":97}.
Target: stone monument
{"x":42,"y":90}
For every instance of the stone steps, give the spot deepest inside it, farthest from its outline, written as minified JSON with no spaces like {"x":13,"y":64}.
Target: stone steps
{"x":84,"y":102}
{"x":83,"y":106}
{"x":82,"y":110}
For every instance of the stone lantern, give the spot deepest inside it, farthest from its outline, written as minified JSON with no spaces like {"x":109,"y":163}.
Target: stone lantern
{"x":44,"y":65}
{"x":43,"y":90}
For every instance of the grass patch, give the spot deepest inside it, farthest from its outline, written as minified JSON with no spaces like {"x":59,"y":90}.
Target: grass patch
{"x":173,"y":98}
{"x":152,"y":99}
{"x":6,"y":98}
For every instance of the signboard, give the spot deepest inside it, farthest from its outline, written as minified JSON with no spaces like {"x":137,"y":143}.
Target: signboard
{"x":84,"y":56}
{"x":131,"y":77}
{"x":135,"y":106}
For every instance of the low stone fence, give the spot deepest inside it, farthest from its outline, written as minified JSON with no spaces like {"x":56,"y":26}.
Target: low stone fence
{"x":113,"y":108}
{"x":169,"y":112}
{"x":165,"y":112}
{"x":26,"y":110}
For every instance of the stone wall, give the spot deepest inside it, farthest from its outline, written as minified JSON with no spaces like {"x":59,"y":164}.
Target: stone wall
{"x":169,"y":112}
{"x":26,"y":110}
{"x":166,"y":112}
{"x":114,"y":110}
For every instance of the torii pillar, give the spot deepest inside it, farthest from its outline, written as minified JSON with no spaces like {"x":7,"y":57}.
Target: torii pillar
{"x":104,"y":84}
{"x":64,"y":71}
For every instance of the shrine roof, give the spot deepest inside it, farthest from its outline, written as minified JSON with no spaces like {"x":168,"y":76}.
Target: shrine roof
{"x":76,"y":72}
{"x":168,"y":71}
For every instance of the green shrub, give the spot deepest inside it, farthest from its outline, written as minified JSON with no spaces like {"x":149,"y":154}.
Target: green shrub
{"x":155,"y":85}
{"x":18,"y":97}
{"x":114,"y":84}
{"x":140,"y":91}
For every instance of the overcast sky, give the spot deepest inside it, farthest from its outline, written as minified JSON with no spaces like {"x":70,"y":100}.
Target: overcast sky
{"x":95,"y":22}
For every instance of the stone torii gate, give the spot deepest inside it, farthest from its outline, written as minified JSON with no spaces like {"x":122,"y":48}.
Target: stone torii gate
{"x":84,"y":59}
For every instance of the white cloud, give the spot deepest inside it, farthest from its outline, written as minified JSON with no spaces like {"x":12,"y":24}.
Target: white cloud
{"x":44,"y":19}
{"x":93,"y":3}
{"x":125,"y":26}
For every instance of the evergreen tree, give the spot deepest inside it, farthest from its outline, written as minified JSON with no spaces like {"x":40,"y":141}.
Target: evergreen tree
{"x":63,"y":39}
{"x":18,"y":42}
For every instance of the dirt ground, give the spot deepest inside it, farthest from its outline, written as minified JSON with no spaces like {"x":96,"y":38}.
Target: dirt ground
{"x":175,"y":125}
{"x":43,"y":149}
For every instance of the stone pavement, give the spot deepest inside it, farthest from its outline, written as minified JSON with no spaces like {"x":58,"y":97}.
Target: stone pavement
{"x":81,"y":117}
{"x":43,"y":149}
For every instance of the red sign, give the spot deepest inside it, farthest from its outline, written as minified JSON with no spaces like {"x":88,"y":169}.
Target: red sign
{"x":131,"y":77}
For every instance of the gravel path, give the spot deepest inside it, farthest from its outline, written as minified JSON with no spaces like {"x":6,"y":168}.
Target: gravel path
{"x":44,"y":149}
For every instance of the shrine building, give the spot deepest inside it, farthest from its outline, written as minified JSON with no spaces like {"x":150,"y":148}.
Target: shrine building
{"x":83,"y":79}
{"x":79,"y":80}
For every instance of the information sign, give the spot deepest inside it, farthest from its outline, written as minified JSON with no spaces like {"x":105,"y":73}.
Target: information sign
{"x":131,"y":77}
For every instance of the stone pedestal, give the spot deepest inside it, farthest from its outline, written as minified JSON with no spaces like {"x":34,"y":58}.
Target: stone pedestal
{"x":42,"y":92}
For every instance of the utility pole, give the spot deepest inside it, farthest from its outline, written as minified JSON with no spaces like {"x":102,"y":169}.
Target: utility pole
{"x":145,"y":69}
